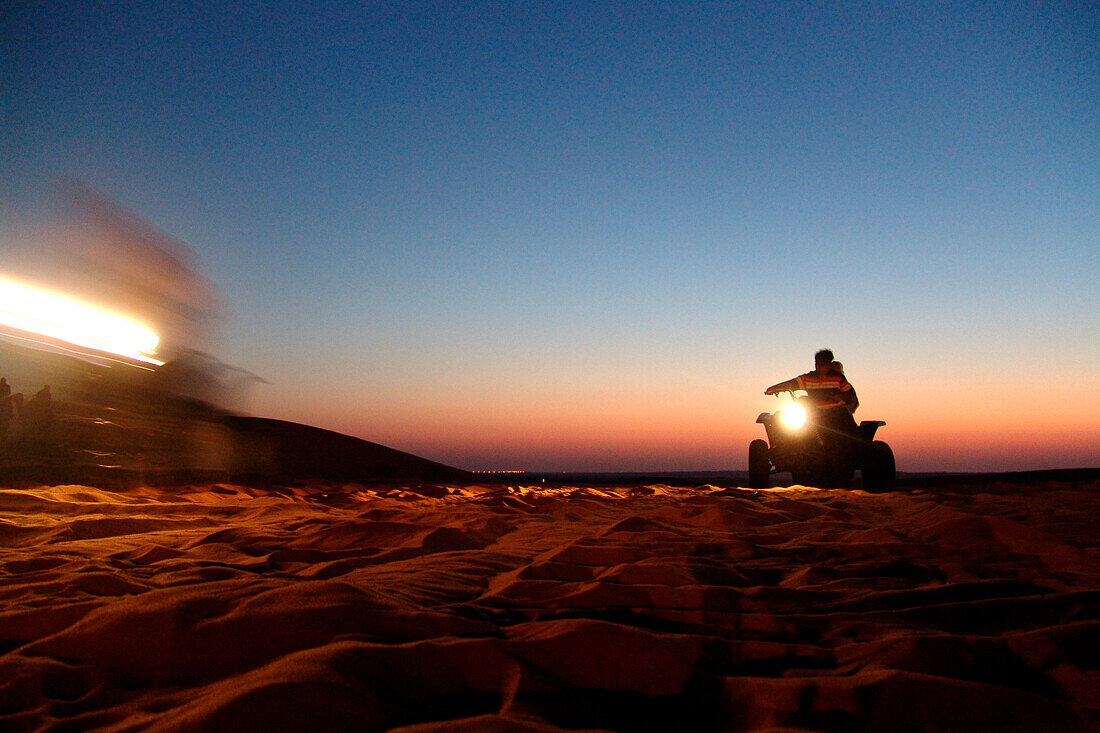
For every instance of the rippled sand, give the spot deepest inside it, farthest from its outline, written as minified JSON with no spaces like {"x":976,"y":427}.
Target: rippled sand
{"x":349,"y":607}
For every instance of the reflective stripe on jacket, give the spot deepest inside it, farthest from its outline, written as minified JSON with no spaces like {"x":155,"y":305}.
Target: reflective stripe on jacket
{"x":826,"y":390}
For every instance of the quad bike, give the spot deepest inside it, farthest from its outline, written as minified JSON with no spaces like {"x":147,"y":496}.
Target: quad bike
{"x":816,"y":453}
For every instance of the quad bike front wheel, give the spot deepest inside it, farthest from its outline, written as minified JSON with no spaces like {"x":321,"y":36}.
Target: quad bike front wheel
{"x":759,"y":465}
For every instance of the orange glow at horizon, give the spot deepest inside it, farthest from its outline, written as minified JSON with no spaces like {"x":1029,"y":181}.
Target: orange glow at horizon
{"x":57,"y":316}
{"x":964,"y":419}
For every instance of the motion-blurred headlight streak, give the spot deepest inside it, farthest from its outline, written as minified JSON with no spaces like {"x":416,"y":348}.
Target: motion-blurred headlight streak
{"x":57,"y":316}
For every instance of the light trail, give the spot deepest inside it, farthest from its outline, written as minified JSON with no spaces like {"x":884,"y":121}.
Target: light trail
{"x":73,"y":321}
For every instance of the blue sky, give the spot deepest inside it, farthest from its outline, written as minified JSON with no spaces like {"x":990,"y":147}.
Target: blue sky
{"x":582,"y":235}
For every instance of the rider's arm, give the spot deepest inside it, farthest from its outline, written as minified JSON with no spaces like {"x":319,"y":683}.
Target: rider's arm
{"x":851,"y":401}
{"x":789,"y":386}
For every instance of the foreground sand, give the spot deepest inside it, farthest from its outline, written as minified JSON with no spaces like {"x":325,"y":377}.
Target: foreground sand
{"x":495,"y":608}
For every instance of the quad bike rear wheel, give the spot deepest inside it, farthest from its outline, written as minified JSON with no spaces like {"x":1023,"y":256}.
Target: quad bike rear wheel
{"x":880,"y":472}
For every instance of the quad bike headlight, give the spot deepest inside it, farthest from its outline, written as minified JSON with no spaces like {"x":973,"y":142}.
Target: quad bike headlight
{"x":793,"y":416}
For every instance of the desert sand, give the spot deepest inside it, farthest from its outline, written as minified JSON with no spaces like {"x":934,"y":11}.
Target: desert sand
{"x":329,"y":606}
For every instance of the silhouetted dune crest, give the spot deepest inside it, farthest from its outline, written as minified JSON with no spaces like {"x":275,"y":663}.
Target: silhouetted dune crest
{"x":305,"y":452}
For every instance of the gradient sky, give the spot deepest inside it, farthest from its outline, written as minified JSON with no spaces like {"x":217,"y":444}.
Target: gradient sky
{"x":586,"y":236}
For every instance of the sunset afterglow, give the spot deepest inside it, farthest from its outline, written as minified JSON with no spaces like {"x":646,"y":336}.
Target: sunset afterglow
{"x":587,"y":236}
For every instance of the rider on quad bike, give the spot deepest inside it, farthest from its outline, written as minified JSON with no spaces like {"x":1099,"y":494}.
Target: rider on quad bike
{"x":828,"y":447}
{"x":829,"y":392}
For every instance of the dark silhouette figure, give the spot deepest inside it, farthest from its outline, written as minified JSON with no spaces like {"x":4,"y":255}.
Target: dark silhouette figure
{"x":6,"y":410}
{"x":38,"y":418}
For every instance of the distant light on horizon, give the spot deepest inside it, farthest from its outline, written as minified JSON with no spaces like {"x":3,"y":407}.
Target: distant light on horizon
{"x":57,"y":316}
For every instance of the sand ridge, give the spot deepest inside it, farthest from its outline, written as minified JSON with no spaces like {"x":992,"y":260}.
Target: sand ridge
{"x":487,"y":607}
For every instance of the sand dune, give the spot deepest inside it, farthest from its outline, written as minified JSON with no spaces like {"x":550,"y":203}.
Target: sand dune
{"x":484,"y":607}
